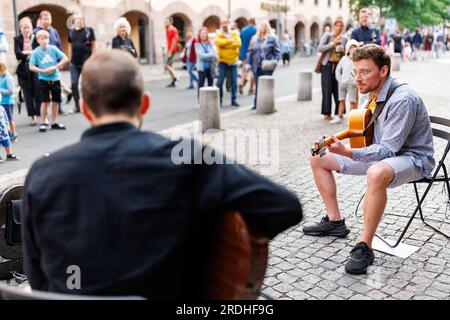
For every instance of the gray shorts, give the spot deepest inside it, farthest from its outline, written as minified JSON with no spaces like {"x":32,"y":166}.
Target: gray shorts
{"x":347,"y":89}
{"x":404,"y":169}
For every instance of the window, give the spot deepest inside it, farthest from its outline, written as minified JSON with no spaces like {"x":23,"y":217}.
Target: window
{"x":329,"y":3}
{"x":316,"y":2}
{"x":340,"y":4}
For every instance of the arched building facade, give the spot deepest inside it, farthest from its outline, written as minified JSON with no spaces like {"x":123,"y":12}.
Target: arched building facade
{"x":303,"y":20}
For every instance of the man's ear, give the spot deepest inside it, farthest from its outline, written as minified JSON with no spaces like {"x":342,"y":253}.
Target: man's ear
{"x":86,"y":111}
{"x":145,"y":104}
{"x":384,"y":71}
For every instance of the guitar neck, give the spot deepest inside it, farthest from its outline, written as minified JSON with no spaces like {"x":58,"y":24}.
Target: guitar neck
{"x":344,"y":135}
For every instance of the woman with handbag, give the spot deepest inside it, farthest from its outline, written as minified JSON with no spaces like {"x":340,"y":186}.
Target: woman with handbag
{"x":332,"y":47}
{"x":206,"y":59}
{"x":263,"y":54}
{"x":28,"y":80}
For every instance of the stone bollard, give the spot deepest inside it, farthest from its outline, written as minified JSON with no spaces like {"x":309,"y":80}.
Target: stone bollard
{"x":396,"y":61}
{"x":265,"y":102}
{"x":209,"y":114}
{"x":304,"y":92}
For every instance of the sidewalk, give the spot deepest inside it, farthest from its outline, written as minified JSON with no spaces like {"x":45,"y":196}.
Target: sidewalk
{"x":303,"y":267}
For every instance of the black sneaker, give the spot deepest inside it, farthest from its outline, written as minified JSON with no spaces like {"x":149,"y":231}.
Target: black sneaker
{"x":361,"y":257}
{"x":327,"y":228}
{"x":11,"y":156}
{"x":235,"y":104}
{"x":58,"y":126}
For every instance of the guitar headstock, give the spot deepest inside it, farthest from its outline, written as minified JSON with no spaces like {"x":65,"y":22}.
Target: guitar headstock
{"x":319,"y":148}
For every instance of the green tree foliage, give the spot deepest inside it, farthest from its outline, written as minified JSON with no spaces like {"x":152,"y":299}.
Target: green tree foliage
{"x":409,"y":13}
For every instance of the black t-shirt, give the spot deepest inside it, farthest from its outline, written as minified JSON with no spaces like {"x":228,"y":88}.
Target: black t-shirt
{"x":125,"y":45}
{"x":81,"y":41}
{"x":397,"y":43}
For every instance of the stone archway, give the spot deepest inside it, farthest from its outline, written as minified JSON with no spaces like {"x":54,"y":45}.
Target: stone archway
{"x":314,"y":32}
{"x":300,"y":35}
{"x":139,"y":33}
{"x":212,"y":23}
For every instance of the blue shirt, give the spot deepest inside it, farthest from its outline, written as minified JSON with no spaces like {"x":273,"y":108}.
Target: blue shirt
{"x":246,"y":35}
{"x":367,"y":35}
{"x":7,"y":90}
{"x":44,"y":59}
{"x":402,"y":129}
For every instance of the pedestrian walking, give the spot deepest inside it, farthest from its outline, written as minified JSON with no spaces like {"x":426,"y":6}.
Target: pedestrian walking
{"x":7,"y":98}
{"x":190,"y":57}
{"x":417,"y":42}
{"x":3,"y":45}
{"x":28,"y":81}
{"x":246,"y":35}
{"x":82,"y":44}
{"x":332,"y":45}
{"x":172,"y":49}
{"x":346,"y":81}
{"x":206,"y":56}
{"x":122,"y":39}
{"x":228,"y":43}
{"x":286,"y":47}
{"x":264,"y":47}
{"x":47,"y":60}
{"x":365,"y":33}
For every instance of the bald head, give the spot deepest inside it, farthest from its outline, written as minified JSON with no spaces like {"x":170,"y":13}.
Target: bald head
{"x":112,"y":84}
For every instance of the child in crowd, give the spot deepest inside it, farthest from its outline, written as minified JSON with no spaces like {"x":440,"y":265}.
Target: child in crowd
{"x":47,"y":60}
{"x":7,"y":103}
{"x":7,"y":100}
{"x":346,"y":81}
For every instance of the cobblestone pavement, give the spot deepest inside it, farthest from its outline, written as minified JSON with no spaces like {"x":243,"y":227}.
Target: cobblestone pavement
{"x":304,"y":267}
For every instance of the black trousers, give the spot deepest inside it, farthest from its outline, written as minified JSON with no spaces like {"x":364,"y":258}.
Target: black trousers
{"x":329,"y":89}
{"x":30,"y":91}
{"x":202,"y":77}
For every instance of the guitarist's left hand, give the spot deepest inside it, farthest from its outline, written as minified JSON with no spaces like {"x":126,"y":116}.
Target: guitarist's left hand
{"x":339,"y":148}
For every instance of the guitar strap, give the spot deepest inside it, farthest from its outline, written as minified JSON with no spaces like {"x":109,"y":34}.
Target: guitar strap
{"x":380,"y":105}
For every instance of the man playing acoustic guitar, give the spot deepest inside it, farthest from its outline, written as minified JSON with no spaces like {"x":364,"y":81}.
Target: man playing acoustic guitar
{"x":402,"y":151}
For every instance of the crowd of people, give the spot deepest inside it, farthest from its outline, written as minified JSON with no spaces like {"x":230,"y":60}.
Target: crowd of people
{"x":255,"y":50}
{"x":336,"y":46}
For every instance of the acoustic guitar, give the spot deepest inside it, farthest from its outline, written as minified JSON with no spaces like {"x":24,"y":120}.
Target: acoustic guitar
{"x":237,"y":260}
{"x":358,"y":132}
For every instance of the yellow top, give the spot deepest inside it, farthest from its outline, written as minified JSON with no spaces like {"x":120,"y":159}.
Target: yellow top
{"x":373,"y":103}
{"x":228,"y":48}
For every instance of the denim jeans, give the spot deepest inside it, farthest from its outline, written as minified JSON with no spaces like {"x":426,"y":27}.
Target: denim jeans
{"x":192,"y":76}
{"x":75,"y":72}
{"x":223,"y":68}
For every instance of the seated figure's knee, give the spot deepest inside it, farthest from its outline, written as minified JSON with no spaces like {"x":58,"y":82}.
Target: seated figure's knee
{"x":379,"y":175}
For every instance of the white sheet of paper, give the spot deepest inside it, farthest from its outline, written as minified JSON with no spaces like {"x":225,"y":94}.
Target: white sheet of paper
{"x":402,"y":250}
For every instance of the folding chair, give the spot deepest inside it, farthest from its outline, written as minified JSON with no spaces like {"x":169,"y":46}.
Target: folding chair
{"x":436,"y":177}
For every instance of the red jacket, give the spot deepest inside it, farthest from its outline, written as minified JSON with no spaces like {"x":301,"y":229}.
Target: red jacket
{"x":192,"y":55}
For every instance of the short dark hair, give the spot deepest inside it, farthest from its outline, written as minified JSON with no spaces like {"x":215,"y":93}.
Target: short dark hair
{"x":112,"y":83}
{"x":374,"y":52}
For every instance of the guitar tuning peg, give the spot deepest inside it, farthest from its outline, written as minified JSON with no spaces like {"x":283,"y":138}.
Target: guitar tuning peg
{"x":322,"y":152}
